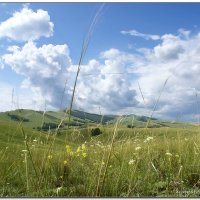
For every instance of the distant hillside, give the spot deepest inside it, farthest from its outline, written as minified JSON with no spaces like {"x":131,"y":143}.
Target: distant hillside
{"x":135,"y":121}
{"x":92,"y":117}
{"x":39,"y":120}
{"x":50,"y":119}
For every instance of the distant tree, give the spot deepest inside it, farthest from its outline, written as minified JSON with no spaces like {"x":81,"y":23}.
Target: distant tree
{"x":130,"y":126}
{"x":96,"y":131}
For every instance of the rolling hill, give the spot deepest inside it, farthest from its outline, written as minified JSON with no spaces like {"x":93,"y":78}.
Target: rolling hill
{"x":40,"y":120}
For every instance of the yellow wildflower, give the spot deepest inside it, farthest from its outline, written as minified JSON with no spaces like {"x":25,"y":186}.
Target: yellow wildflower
{"x":50,"y":157}
{"x":84,"y":155}
{"x":71,"y":153}
{"x":83,"y":147}
{"x":68,"y":148}
{"x":65,"y":162}
{"x":78,"y":150}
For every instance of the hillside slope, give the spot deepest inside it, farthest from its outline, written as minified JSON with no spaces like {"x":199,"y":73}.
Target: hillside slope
{"x":38,"y":120}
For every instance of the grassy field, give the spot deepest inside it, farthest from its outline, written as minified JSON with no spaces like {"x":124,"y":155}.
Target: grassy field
{"x":120,"y":162}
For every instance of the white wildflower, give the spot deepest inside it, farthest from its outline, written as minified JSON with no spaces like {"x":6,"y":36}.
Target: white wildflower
{"x":168,"y":154}
{"x":148,"y":139}
{"x":131,"y":162}
{"x":58,"y":190}
{"x":138,"y":148}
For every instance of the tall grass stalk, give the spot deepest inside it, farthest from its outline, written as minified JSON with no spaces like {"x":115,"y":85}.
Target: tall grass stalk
{"x":141,"y":91}
{"x":83,"y":52}
{"x":26,"y":167}
{"x":29,"y":152}
{"x":99,"y":188}
{"x":100,"y":172}
{"x":43,"y":116}
{"x":44,"y":161}
{"x":156,"y":103}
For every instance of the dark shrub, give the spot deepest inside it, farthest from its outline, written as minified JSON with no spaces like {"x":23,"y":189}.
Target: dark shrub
{"x":130,"y":126}
{"x":18,"y":118}
{"x":96,"y":131}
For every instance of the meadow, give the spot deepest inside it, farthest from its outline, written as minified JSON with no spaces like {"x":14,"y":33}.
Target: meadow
{"x":56,"y":154}
{"x":119,"y":162}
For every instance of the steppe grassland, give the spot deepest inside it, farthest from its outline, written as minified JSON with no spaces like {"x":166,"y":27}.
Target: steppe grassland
{"x":135,"y":162}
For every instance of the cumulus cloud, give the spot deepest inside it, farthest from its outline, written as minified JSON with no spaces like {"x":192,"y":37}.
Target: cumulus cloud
{"x":108,"y":85}
{"x":183,"y":68}
{"x":170,"y":48}
{"x":26,"y":25}
{"x":142,"y":35}
{"x":44,"y":69}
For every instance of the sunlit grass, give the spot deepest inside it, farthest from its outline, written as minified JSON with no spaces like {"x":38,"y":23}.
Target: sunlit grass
{"x":156,"y":162}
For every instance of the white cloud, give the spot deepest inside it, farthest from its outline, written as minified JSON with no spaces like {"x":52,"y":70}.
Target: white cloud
{"x":108,"y":85}
{"x":142,"y":35}
{"x":178,"y":58}
{"x":170,"y":48}
{"x":26,"y":25}
{"x":44,"y":69}
{"x":43,"y":62}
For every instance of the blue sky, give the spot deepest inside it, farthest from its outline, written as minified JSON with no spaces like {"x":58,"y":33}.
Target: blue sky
{"x":40,"y":46}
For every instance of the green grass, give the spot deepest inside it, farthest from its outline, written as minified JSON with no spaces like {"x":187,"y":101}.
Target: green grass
{"x":166,"y":164}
